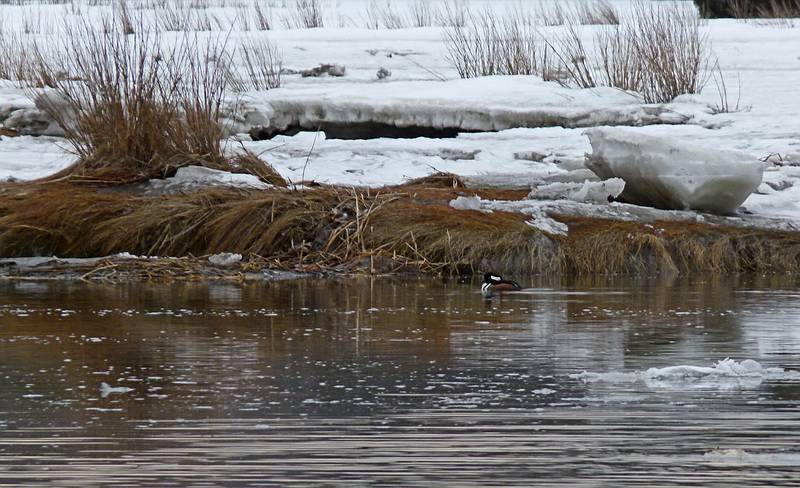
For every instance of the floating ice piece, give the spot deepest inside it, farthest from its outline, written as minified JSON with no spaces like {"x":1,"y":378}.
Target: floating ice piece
{"x":587,"y":192}
{"x":106,"y":390}
{"x":741,"y":457}
{"x":662,"y":173}
{"x":725,"y":373}
{"x":224,"y":259}
{"x":469,"y":203}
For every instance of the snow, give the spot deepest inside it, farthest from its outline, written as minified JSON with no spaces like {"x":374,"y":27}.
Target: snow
{"x":673,"y":174}
{"x":30,"y":158}
{"x":469,"y":203}
{"x":546,"y":224}
{"x":636,"y":213}
{"x":538,"y":138}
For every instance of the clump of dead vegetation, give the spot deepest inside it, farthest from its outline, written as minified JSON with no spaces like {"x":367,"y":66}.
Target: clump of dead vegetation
{"x":132,"y":106}
{"x":489,"y":44}
{"x":655,"y":50}
{"x":131,"y":109}
{"x":615,"y":247}
{"x":786,"y":10}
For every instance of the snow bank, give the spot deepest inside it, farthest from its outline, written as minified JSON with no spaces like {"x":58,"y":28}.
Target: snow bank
{"x":489,"y":103}
{"x":636,"y":213}
{"x":662,"y":173}
{"x":724,"y":373}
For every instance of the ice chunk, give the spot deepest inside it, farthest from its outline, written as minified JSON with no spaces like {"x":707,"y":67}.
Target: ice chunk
{"x":588,"y":191}
{"x":469,"y":203}
{"x":224,"y":259}
{"x":336,"y":70}
{"x":106,"y":390}
{"x":673,"y":175}
{"x":723,"y":374}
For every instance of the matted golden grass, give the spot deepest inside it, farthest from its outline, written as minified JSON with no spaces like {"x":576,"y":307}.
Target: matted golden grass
{"x":347,"y":229}
{"x":317,"y":228}
{"x":597,"y":246}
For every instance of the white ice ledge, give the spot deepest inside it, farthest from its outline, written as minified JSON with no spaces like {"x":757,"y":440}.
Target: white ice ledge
{"x":490,"y":103}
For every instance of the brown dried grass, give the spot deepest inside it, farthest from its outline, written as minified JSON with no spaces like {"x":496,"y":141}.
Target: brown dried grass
{"x":249,"y":163}
{"x":328,"y":228}
{"x":131,"y":108}
{"x":608,"y":247}
{"x":317,"y":228}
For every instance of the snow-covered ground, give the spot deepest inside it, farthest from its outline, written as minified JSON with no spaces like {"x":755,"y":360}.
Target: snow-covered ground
{"x":537,"y":128}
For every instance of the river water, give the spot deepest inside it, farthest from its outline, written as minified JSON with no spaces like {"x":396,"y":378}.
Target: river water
{"x":401,"y":382}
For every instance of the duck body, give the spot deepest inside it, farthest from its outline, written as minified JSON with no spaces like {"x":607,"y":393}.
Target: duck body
{"x":493,"y":283}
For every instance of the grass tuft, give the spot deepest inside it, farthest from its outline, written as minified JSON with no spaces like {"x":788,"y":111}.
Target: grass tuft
{"x":130,"y":108}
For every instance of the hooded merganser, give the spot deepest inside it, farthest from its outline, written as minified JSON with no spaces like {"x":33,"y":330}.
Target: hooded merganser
{"x":493,"y":282}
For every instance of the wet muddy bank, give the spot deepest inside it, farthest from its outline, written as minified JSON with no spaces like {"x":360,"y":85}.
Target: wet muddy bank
{"x":127,"y":268}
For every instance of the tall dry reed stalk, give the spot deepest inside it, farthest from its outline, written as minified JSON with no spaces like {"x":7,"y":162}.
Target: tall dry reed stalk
{"x":263,"y":20}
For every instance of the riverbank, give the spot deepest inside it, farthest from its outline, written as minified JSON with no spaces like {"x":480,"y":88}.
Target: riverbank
{"x":395,"y":154}
{"x":417,"y":227}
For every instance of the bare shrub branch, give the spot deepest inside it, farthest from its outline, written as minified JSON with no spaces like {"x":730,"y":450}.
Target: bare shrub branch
{"x":595,"y":12}
{"x":421,"y":13}
{"x":454,"y":13}
{"x":492,"y":45}
{"x":263,"y":16}
{"x":574,"y":59}
{"x":262,"y":63}
{"x":656,"y":50}
{"x":674,"y":53}
{"x":305,"y":14}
